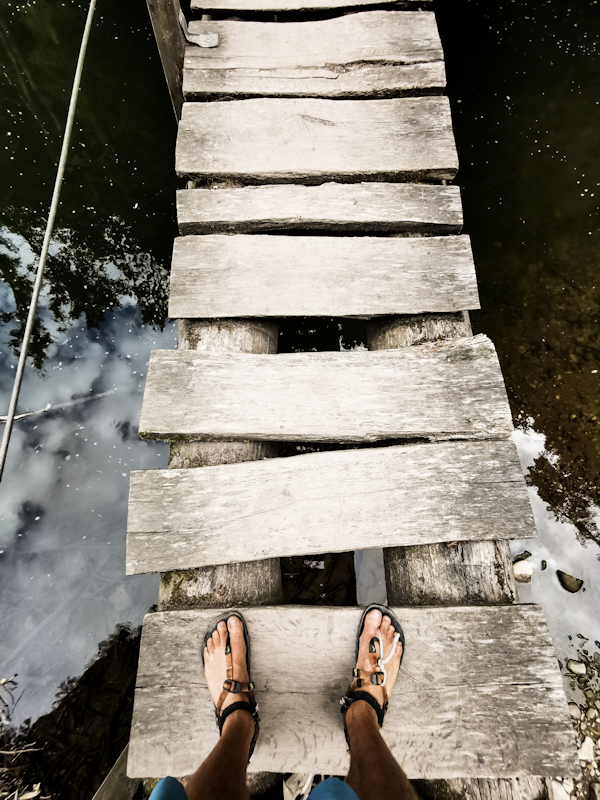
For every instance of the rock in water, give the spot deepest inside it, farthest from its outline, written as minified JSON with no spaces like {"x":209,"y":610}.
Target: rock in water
{"x":576,"y":667}
{"x":523,"y":571}
{"x":586,"y":751}
{"x":568,"y":582}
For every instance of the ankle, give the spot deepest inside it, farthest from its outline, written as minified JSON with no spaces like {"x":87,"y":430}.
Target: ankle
{"x":240,"y":722}
{"x":360,"y":715}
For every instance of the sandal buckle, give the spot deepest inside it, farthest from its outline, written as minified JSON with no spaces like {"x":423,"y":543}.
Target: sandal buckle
{"x":375,"y":678}
{"x":233,"y":687}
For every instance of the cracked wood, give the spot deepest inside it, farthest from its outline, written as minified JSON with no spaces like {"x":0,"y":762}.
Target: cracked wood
{"x":450,"y":389}
{"x":326,"y":502}
{"x":479,"y":693}
{"x":293,"y":276}
{"x":285,"y":140}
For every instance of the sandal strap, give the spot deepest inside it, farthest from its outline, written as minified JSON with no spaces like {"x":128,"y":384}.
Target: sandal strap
{"x":233,"y":687}
{"x":252,"y":708}
{"x":351,"y":697}
{"x":364,"y":674}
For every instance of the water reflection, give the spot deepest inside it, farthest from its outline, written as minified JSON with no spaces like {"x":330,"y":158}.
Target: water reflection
{"x":63,"y":505}
{"x":63,"y":499}
{"x":524,"y":87}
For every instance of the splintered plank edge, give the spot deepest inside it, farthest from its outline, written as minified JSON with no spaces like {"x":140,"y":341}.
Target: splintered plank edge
{"x":375,"y":53}
{"x":217,"y":275}
{"x":479,"y":693}
{"x":359,"y":207}
{"x":297,"y":5}
{"x":326,"y":502}
{"x":283,"y":140}
{"x":443,"y":390}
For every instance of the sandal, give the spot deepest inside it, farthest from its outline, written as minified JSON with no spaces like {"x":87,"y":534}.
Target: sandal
{"x":377,"y":675}
{"x":230,"y":684}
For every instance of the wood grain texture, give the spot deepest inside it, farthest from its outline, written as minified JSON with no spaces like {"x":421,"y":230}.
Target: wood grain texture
{"x":326,"y":502}
{"x":479,"y":693}
{"x":283,"y":140}
{"x":298,"y":5}
{"x":291,"y":276}
{"x":443,"y":390}
{"x":171,"y":46}
{"x":468,"y":573}
{"x":338,"y":207}
{"x":248,"y":583}
{"x":376,"y":53}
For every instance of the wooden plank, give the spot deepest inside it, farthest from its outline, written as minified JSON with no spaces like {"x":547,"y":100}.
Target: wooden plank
{"x":164,"y":15}
{"x":299,"y":5}
{"x":364,"y":80}
{"x":338,"y":207}
{"x":326,"y":502}
{"x":251,"y":583}
{"x":283,"y":140}
{"x":291,"y":276}
{"x":479,"y":693}
{"x":376,"y":53}
{"x":443,"y":390}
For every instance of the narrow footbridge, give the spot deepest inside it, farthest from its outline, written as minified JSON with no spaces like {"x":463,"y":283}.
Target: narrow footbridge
{"x":317,"y":147}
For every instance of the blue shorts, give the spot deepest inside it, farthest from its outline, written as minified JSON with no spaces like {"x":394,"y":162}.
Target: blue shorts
{"x":329,"y":789}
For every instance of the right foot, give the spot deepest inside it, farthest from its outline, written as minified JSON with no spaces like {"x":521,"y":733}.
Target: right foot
{"x":374,"y":623}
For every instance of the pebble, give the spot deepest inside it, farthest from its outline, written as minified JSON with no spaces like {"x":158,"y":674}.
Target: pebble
{"x":574,"y":710}
{"x":523,"y":571}
{"x":591,"y":713}
{"x":558,"y":792}
{"x":568,"y":785}
{"x":576,"y":667}
{"x":586,"y":751}
{"x":568,"y":582}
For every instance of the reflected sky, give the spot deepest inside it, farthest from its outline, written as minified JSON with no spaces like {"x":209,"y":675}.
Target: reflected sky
{"x":63,"y":501}
{"x":63,"y":497}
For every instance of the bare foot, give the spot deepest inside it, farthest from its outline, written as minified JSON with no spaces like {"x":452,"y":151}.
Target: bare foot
{"x":215,"y":665}
{"x":373,"y":624}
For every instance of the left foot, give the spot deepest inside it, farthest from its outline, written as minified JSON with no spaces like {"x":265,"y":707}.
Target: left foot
{"x":215,"y":664}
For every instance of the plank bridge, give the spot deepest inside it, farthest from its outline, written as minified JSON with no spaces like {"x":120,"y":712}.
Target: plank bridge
{"x":317,"y":148}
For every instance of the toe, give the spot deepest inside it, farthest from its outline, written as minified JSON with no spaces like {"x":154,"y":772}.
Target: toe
{"x":372,"y":622}
{"x":210,"y":648}
{"x":385,"y":626}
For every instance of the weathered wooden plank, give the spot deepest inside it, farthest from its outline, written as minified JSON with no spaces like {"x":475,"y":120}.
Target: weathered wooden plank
{"x":282,"y":140}
{"x":364,"y":80}
{"x":164,"y":15}
{"x":249,"y":583}
{"x":291,"y":276}
{"x":479,"y":693}
{"x":326,"y":502}
{"x":299,"y":5}
{"x":443,"y":390}
{"x":338,"y":207}
{"x":376,"y":53}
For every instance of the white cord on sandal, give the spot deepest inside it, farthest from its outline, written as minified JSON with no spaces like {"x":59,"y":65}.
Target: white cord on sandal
{"x":381,"y":662}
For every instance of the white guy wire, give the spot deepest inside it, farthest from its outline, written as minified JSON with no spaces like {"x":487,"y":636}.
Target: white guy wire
{"x":49,"y":227}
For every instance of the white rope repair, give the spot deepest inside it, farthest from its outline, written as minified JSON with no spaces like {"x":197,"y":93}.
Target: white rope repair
{"x":49,"y":228}
{"x":381,"y":662}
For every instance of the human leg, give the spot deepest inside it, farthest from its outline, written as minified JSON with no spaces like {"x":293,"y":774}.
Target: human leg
{"x":223,"y":773}
{"x":374,"y":772}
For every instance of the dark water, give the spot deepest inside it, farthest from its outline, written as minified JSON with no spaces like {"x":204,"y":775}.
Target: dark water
{"x":524,"y":85}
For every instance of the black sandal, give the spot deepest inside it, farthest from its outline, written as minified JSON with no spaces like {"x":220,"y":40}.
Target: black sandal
{"x":232,"y":686}
{"x":377,"y":675}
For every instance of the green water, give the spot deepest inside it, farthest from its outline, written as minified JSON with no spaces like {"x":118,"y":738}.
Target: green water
{"x":524,"y":83}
